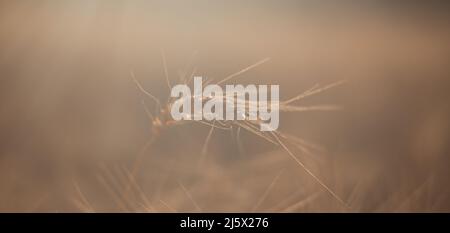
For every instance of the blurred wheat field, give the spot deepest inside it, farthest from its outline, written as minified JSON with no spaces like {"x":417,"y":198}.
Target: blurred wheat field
{"x":72,"y":121}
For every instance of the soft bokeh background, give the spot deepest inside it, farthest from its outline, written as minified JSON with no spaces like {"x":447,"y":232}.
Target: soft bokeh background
{"x":72,"y":122}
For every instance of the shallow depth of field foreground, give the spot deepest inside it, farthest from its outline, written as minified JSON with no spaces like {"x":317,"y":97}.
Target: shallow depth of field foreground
{"x":81,"y":130}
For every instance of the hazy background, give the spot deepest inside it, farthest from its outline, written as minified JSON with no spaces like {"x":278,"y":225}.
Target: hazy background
{"x":72,"y":122}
